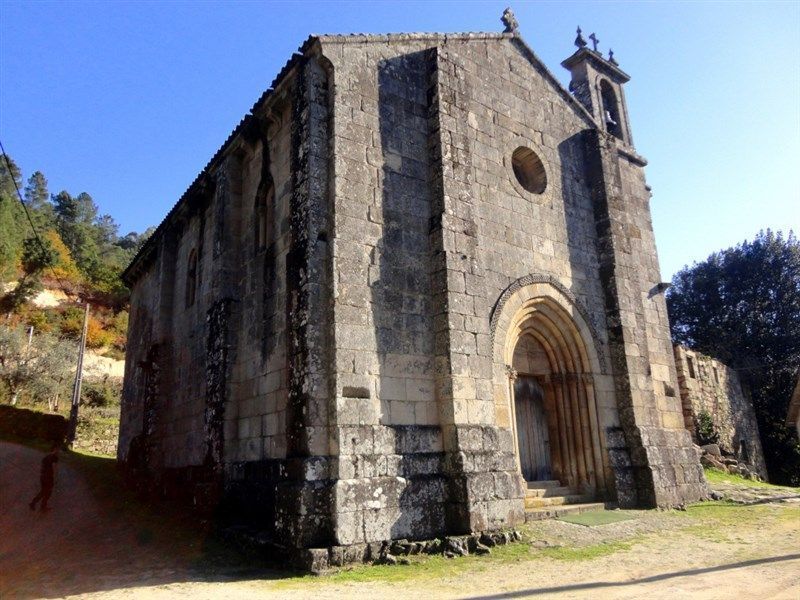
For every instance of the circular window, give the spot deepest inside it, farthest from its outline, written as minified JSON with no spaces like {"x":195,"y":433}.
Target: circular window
{"x":529,"y":170}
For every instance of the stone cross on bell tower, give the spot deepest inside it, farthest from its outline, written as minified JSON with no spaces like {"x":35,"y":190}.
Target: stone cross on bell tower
{"x":597,"y":84}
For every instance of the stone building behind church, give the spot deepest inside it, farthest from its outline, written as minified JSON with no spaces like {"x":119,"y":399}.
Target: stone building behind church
{"x":415,"y":293}
{"x":716,"y":402}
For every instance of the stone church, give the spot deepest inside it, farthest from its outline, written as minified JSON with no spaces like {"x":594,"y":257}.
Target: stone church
{"x":415,"y":293}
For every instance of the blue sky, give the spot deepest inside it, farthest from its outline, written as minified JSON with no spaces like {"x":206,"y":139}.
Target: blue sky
{"x":129,"y":100}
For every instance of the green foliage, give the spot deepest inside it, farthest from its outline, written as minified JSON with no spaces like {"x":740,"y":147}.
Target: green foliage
{"x":582,"y":553}
{"x":75,"y":224}
{"x":40,"y":320}
{"x":40,"y":370}
{"x":101,"y":393}
{"x":706,"y":429}
{"x":9,"y":177}
{"x":37,"y":199}
{"x":717,"y":476}
{"x":26,"y":288}
{"x":83,"y":246}
{"x":742,"y":306}
{"x":37,"y":255}
{"x":119,"y":327}
{"x":71,"y":322}
{"x":11,"y":235}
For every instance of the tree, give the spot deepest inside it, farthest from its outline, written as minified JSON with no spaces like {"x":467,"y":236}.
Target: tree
{"x":37,"y":255}
{"x":40,"y":370}
{"x":64,"y":268}
{"x":37,"y":199}
{"x":11,"y":220}
{"x":9,"y":177}
{"x":134,"y":241}
{"x":107,"y":230}
{"x":75,"y":222}
{"x":742,"y":306}
{"x":11,"y":228}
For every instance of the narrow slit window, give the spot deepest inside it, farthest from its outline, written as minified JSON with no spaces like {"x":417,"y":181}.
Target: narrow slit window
{"x":264,"y":203}
{"x":191,"y":278}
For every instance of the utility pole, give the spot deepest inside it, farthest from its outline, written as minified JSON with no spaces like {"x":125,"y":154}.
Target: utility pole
{"x":76,"y":388}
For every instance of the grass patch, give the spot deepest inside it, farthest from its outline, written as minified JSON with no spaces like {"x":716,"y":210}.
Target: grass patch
{"x":431,"y":567}
{"x":717,"y":476}
{"x":420,"y":567}
{"x":719,"y":521}
{"x":580,"y":553}
{"x":594,"y":518}
{"x":725,"y":513}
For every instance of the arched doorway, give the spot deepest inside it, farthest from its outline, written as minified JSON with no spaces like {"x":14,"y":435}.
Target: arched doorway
{"x":553,"y":409}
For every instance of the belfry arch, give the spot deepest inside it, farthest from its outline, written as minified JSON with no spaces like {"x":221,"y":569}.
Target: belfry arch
{"x":546,"y":362}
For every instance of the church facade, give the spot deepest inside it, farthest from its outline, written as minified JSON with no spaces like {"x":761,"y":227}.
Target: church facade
{"x":415,"y":291}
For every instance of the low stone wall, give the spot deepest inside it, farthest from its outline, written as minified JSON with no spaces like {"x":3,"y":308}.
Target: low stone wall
{"x":98,"y":430}
{"x":21,"y":423}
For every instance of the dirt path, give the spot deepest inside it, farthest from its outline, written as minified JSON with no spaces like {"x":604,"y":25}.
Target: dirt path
{"x":83,"y":543}
{"x":89,"y":546}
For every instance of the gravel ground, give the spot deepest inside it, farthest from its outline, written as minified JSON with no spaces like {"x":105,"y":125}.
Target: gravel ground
{"x":87,"y":547}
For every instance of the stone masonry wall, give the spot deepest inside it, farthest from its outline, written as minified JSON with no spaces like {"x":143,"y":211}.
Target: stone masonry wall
{"x":256,"y":420}
{"x":711,"y":387}
{"x":389,"y":446}
{"x":352,"y":389}
{"x":486,"y":234}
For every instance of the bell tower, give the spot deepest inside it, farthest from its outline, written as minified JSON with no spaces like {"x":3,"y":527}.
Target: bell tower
{"x":597,"y":84}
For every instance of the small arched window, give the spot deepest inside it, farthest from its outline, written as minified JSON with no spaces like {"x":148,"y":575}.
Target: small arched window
{"x":191,"y":278}
{"x":264,"y":202}
{"x":611,"y":116}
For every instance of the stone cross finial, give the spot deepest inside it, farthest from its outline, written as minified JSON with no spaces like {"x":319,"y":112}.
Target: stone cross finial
{"x":579,"y":41}
{"x":595,"y":41}
{"x":510,"y":21}
{"x":611,"y":58}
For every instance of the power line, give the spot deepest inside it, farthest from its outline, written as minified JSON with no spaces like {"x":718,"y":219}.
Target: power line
{"x":30,"y":220}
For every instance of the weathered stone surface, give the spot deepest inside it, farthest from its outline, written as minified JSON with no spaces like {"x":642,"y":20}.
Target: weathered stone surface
{"x":358,"y":275}
{"x":710,"y":389}
{"x":712,"y":449}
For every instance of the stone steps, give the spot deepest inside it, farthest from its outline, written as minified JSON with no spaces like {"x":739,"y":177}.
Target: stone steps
{"x":536,"y":502}
{"x":549,"y":492}
{"x":546,"y":484}
{"x":549,"y":499}
{"x":553,"y":512}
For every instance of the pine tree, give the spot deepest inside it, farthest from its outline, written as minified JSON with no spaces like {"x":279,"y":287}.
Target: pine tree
{"x":12,"y":220}
{"x":37,"y":199}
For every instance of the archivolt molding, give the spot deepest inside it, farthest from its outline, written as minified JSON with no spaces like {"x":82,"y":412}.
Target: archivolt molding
{"x":566,"y":293}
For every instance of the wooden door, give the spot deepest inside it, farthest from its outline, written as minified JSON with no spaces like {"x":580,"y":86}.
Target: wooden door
{"x":532,"y":433}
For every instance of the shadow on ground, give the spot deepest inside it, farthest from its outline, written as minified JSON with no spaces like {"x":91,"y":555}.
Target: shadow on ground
{"x":598,"y":585}
{"x":97,"y":536}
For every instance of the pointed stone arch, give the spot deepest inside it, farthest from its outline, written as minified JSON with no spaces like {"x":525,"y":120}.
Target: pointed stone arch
{"x":537,"y":312}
